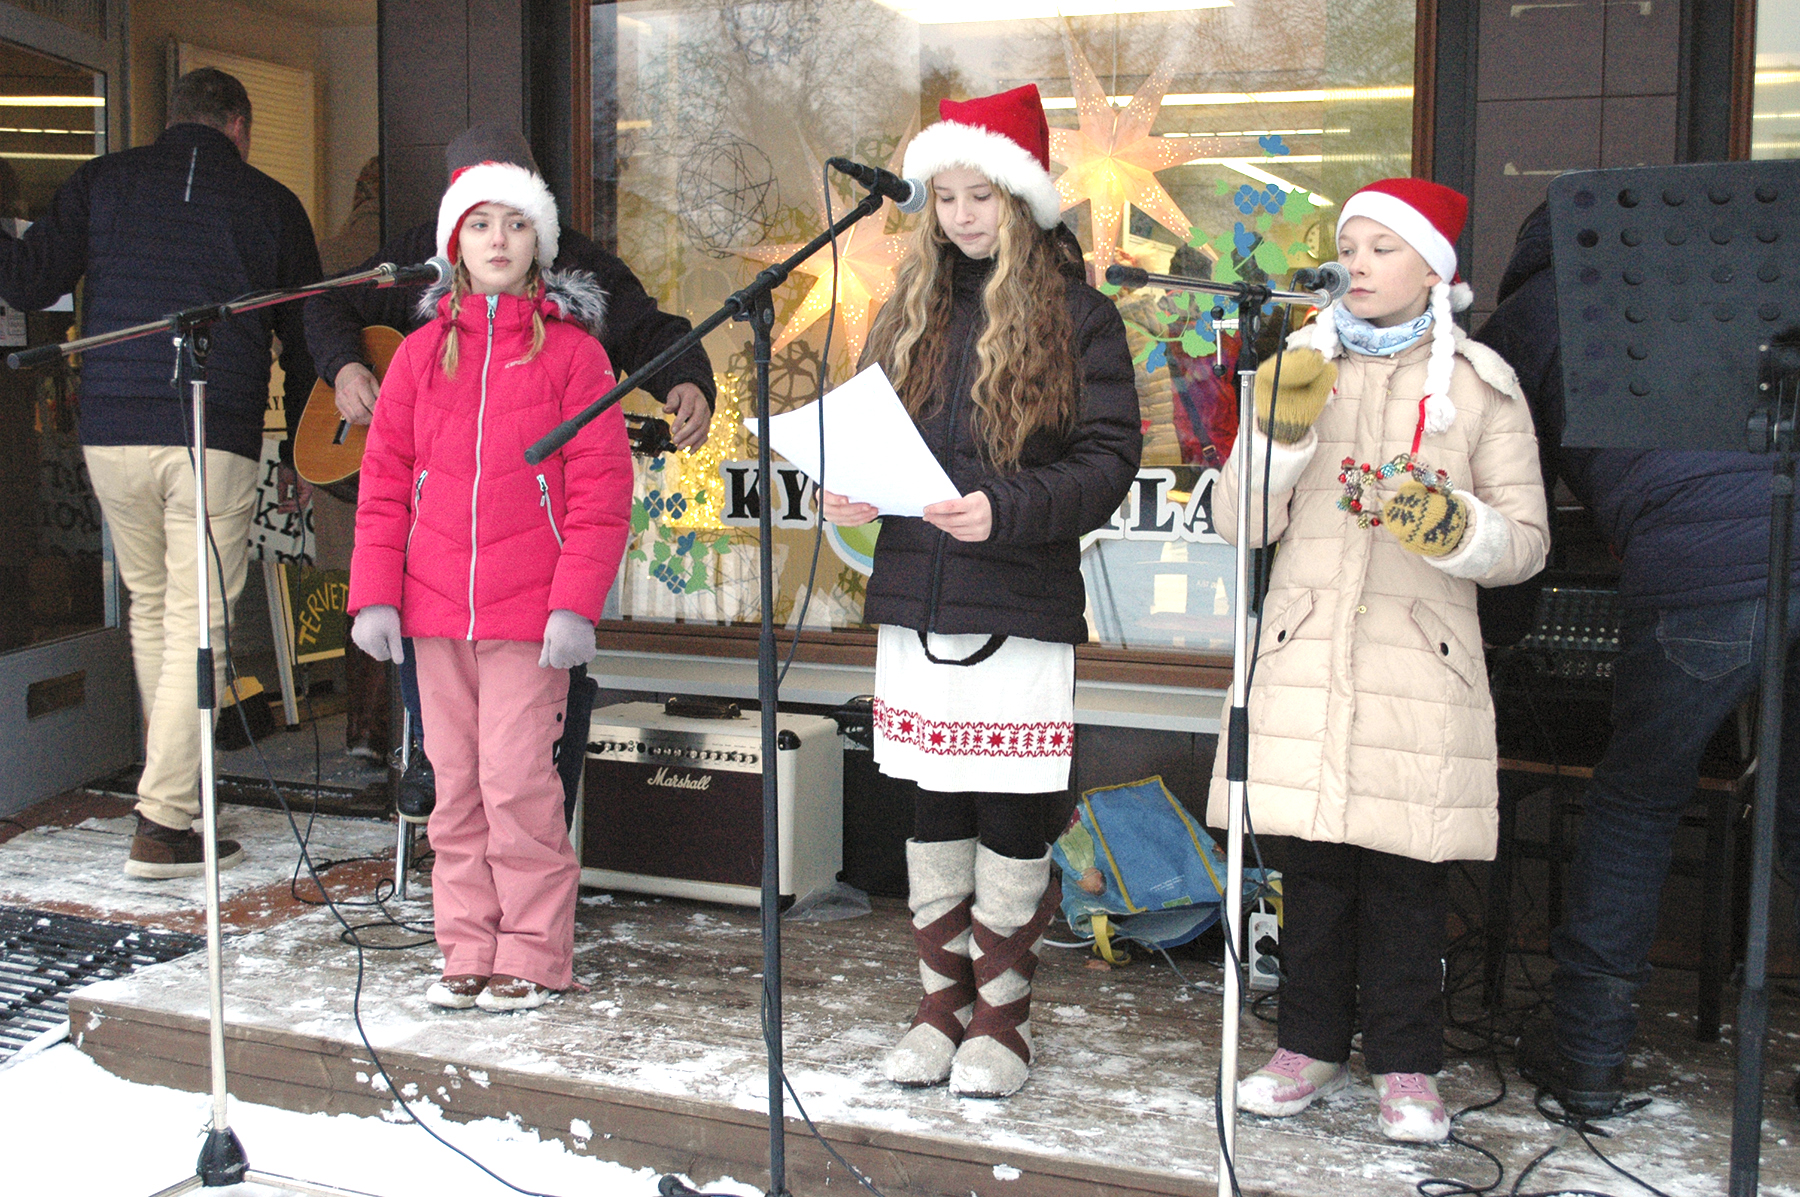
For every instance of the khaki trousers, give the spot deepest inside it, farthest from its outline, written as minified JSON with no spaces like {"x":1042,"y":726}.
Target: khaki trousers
{"x":146,"y":493}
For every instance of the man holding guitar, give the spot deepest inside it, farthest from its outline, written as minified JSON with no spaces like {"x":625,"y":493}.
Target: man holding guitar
{"x":635,"y":330}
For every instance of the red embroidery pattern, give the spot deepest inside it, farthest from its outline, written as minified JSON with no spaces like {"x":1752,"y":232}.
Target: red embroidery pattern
{"x":971,"y":737}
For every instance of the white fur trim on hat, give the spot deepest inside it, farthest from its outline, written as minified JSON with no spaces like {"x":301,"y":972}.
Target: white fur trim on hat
{"x":500,"y":183}
{"x":1005,"y":163}
{"x":1407,"y":221}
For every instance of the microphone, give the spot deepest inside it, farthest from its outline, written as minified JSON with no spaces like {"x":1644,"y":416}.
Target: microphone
{"x":1328,"y":280}
{"x":432,"y":270}
{"x":1128,"y":277}
{"x":908,"y":194}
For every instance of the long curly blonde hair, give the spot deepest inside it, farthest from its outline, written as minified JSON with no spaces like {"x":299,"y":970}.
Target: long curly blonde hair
{"x":461,"y":288}
{"x":1027,"y":377}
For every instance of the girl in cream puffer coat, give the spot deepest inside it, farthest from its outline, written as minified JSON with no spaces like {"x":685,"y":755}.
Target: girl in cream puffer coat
{"x":1371,"y":725}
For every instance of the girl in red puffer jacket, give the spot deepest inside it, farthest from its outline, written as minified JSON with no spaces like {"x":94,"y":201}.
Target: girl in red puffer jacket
{"x":496,"y":569}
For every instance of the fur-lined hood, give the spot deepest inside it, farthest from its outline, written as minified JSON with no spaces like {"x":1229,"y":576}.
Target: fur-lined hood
{"x":573,"y":296}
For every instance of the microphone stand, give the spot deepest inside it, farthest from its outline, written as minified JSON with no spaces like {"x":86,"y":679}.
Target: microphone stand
{"x":222,"y":1160}
{"x":1250,"y":298}
{"x":754,"y":303}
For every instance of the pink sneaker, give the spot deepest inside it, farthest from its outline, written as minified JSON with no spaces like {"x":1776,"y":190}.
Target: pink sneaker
{"x":1411,"y":1110}
{"x":1289,"y":1083}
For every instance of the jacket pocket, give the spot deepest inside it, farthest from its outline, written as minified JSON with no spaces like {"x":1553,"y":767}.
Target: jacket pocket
{"x":549,"y":510}
{"x":1282,"y":619}
{"x":1446,"y":644}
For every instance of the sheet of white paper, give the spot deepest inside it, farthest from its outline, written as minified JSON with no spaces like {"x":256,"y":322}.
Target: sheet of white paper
{"x":873,"y":453}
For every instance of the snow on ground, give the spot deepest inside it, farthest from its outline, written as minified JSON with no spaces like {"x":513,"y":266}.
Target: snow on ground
{"x":73,"y":1127}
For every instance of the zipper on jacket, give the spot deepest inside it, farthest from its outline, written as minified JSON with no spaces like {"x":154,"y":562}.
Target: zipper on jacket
{"x":418,"y":489}
{"x":544,"y":490}
{"x":193,"y":158}
{"x":493,"y":304}
{"x":937,"y":556}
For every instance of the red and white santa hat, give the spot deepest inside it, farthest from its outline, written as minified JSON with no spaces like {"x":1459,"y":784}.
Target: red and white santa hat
{"x":1429,"y":217}
{"x":498,"y":183}
{"x":1003,"y":136}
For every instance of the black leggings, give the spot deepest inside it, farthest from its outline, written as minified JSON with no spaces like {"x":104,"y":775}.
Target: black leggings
{"x":1016,"y":825}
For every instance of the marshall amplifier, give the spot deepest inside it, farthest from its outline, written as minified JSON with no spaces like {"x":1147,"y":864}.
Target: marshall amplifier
{"x":673,"y":805}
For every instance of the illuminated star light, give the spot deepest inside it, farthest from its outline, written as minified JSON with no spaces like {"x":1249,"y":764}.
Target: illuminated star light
{"x":1112,"y":159}
{"x":867,"y":259}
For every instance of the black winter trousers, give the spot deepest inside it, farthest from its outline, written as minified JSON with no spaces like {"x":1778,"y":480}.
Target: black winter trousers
{"x":1017,"y":825}
{"x":1363,"y":933}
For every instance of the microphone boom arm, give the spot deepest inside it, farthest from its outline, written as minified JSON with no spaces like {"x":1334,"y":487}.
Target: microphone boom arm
{"x":190,"y":318}
{"x":1130,"y":277}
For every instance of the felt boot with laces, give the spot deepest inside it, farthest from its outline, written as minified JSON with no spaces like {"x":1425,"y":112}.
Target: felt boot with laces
{"x":1411,"y":1110}
{"x":940,"y":885}
{"x":1014,"y":902}
{"x":1289,"y":1083}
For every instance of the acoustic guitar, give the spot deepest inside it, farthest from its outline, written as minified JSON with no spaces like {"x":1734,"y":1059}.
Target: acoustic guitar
{"x":328,"y":449}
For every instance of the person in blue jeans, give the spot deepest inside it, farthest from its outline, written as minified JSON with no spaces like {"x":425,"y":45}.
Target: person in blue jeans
{"x":1691,"y":530}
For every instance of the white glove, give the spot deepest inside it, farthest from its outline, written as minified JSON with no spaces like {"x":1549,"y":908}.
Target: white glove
{"x":377,"y":632}
{"x":568,"y":641}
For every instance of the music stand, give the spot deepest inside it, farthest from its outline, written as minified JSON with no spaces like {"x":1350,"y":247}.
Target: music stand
{"x":1680,"y":325}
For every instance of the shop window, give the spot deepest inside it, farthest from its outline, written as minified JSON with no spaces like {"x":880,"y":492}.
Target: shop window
{"x":1212,"y":139}
{"x":1775,"y":117}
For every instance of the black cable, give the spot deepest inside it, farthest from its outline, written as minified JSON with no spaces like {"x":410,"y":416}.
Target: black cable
{"x":812,"y":571}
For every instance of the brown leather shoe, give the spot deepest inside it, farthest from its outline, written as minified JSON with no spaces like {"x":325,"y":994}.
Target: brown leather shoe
{"x":512,"y":993}
{"x":159,"y":853}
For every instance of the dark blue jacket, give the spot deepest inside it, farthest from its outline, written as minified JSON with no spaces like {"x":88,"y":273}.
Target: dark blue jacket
{"x":1692,"y":528}
{"x":182,"y":222}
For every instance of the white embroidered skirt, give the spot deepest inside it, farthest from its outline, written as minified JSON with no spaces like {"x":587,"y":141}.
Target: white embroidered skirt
{"x":1005,"y":725}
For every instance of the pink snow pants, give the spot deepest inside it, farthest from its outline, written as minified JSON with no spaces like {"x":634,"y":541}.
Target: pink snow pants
{"x":505,"y":880}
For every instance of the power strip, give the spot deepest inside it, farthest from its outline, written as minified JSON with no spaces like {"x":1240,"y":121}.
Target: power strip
{"x":1264,"y":967}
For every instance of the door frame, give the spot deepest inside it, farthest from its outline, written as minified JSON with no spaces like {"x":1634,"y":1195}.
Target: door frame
{"x":93,"y":729}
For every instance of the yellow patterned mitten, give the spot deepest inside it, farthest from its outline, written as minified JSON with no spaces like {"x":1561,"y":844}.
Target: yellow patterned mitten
{"x":1429,"y":523}
{"x":1306,"y":382}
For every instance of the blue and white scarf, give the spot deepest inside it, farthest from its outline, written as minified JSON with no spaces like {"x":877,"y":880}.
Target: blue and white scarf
{"x":1359,"y":335}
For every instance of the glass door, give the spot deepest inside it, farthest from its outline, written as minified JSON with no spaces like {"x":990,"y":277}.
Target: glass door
{"x":69,"y":714}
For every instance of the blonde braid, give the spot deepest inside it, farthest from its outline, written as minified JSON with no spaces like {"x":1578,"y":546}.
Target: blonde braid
{"x":460,"y":286}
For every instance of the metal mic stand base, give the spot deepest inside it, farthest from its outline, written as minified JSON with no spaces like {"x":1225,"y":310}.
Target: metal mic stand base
{"x":223,"y":1163}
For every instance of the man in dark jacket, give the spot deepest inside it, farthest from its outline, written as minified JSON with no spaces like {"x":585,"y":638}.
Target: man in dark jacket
{"x":182,"y":222}
{"x":634,"y":331}
{"x":1692,"y":531}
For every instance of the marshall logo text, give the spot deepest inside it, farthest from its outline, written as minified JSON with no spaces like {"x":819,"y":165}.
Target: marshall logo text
{"x":679,"y":781}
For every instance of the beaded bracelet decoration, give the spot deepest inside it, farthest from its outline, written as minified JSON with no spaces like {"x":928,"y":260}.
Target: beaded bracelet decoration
{"x":1356,"y":477}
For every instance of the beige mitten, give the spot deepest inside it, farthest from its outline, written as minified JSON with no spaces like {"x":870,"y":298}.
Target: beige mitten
{"x":1427,"y":522}
{"x":1306,"y":382}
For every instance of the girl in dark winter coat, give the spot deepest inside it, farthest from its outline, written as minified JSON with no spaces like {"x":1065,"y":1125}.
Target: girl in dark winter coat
{"x":1019,"y":379}
{"x":497,"y":569}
